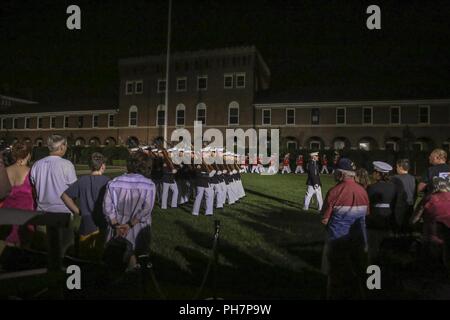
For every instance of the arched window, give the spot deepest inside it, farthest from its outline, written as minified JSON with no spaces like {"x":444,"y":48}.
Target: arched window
{"x":201,"y":113}
{"x":133,"y":116}
{"x":233,"y":113}
{"x":94,"y":141}
{"x":110,"y":141}
{"x":160,"y":115}
{"x":80,"y":142}
{"x":180,"y":114}
{"x":39,"y":142}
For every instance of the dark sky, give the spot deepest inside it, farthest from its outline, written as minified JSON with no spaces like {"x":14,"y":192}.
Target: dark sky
{"x":305,"y":43}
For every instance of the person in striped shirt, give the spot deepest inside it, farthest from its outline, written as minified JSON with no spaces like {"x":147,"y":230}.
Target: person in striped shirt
{"x":344,"y":215}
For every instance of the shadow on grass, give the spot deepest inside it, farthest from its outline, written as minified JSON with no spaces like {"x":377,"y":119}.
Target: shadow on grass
{"x":250,"y":276}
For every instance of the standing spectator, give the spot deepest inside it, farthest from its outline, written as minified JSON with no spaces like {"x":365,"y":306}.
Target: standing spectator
{"x":128,"y":205}
{"x":313,"y":182}
{"x":406,"y":195}
{"x":286,"y":164}
{"x":439,"y":168}
{"x":5,"y":186}
{"x":382,"y":196}
{"x":51,"y":176}
{"x":436,"y":217}
{"x":90,"y":191}
{"x":362,"y":177}
{"x":299,"y":164}
{"x":344,"y":213}
{"x":324,"y":165}
{"x":21,"y":195}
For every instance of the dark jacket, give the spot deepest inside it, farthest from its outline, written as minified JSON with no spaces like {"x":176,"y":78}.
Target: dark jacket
{"x":312,"y":169}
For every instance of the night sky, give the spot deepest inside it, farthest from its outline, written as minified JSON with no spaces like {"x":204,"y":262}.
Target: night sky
{"x":305,"y":43}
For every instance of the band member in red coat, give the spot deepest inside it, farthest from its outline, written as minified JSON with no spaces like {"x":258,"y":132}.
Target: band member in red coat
{"x":286,"y":164}
{"x":299,"y":163}
{"x":324,"y":165}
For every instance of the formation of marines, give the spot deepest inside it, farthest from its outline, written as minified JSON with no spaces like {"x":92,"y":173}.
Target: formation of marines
{"x":209,"y":184}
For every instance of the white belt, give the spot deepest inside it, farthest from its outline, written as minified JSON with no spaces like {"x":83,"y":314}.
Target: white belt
{"x":382,"y":205}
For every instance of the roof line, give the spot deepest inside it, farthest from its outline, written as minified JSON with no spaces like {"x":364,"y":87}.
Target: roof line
{"x":352,"y":103}
{"x":18,"y":99}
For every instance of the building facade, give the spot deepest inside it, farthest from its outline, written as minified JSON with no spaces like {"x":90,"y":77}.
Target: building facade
{"x":226,"y":88}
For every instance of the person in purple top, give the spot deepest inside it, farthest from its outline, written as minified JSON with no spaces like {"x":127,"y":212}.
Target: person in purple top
{"x":128,"y":205}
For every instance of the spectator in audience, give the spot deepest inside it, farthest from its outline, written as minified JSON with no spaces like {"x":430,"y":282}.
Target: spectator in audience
{"x":439,"y":168}
{"x":90,"y":191}
{"x":51,"y":176}
{"x":406,"y":187}
{"x":344,"y":214}
{"x":128,"y":205}
{"x":382,"y":196}
{"x":362,"y":177}
{"x":435,"y":212}
{"x":21,"y":194}
{"x":5,"y":186}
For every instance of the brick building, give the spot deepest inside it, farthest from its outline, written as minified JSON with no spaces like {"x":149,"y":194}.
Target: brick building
{"x":229,"y":88}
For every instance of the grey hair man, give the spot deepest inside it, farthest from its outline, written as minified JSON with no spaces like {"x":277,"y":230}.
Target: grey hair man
{"x":51,"y":176}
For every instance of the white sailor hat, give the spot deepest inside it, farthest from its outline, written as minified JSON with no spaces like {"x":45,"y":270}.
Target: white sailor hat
{"x":381,"y":166}
{"x":206,"y":149}
{"x":314,"y":154}
{"x":154,"y":150}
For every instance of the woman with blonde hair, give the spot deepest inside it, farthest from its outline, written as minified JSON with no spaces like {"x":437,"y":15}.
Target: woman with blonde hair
{"x":21,"y":194}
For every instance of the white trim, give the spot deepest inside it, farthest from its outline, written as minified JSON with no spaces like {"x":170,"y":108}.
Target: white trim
{"x":179,"y":107}
{"x":51,"y":122}
{"x":225,"y":75}
{"x":240,"y":74}
{"x":291,"y":142}
{"x":353,"y":103}
{"x":311,"y":117}
{"x":19,"y":100}
{"x":290,"y":124}
{"x":93,"y":116}
{"x":158,"y":85}
{"x":62,"y":113}
{"x":262,"y":117}
{"x":13,"y":126}
{"x":109,"y":115}
{"x":201,"y":106}
{"x":345,"y":115}
{"x":160,"y":107}
{"x":133,"y":108}
{"x":234,"y":105}
{"x":25,"y":123}
{"x":428,"y":114}
{"x":128,"y":93}
{"x":78,"y":122}
{"x":198,"y":82}
{"x":136,"y":84}
{"x":315,"y":141}
{"x":392,"y":142}
{"x":399,"y":115}
{"x":180,"y":79}
{"x":64,"y":122}
{"x":371,"y":115}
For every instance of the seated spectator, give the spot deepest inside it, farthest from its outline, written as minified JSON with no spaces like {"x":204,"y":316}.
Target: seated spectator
{"x":128,"y":205}
{"x":90,"y":191}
